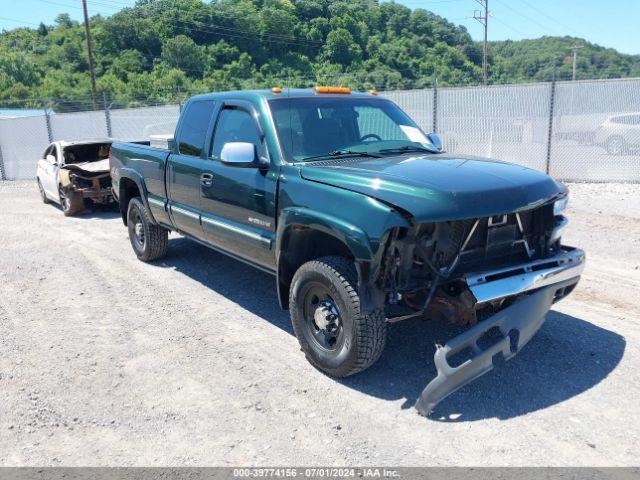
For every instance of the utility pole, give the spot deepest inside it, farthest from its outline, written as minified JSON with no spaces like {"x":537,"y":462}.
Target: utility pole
{"x":87,"y":29}
{"x":575,"y":49}
{"x":482,"y":16}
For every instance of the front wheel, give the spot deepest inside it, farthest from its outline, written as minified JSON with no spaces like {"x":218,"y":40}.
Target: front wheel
{"x":149,"y":241}
{"x":70,"y":201}
{"x":325,"y":312}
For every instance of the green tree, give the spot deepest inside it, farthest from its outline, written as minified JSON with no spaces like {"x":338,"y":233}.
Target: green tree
{"x":182,"y":53}
{"x":341,"y":48}
{"x":166,"y":49}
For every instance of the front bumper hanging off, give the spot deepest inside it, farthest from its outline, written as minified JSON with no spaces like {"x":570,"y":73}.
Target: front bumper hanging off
{"x":548,"y":280}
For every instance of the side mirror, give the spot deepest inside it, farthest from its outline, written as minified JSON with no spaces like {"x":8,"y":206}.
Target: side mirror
{"x":240,"y":154}
{"x":51,"y":159}
{"x":435,"y":140}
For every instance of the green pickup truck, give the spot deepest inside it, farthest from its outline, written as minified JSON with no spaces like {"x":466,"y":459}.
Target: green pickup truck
{"x":362,"y":219}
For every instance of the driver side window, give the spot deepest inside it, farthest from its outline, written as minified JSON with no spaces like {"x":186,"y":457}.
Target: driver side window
{"x":236,"y":125}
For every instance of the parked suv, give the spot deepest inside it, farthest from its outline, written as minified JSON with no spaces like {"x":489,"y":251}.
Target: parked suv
{"x":361,"y":219}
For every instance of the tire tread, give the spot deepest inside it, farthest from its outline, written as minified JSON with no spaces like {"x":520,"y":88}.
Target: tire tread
{"x":371,"y":330}
{"x":157,"y":237}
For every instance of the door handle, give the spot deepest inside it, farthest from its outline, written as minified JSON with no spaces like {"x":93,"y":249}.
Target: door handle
{"x":206,"y":179}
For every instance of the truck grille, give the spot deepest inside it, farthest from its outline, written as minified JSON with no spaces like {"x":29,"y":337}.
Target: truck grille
{"x":500,"y":240}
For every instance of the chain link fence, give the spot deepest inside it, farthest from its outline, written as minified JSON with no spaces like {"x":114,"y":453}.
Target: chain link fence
{"x":579,"y":131}
{"x":575,"y":130}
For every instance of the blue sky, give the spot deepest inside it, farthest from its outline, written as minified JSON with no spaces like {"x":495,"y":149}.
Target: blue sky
{"x":611,"y":24}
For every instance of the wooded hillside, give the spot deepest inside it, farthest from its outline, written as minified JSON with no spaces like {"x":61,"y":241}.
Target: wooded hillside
{"x":161,"y":49}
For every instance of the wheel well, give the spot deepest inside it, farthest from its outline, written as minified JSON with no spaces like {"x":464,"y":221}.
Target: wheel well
{"x":302,"y":244}
{"x":128,"y":190}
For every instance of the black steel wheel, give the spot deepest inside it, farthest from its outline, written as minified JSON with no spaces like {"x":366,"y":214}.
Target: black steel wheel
{"x":325,"y":312}
{"x":149,"y":241}
{"x":138,"y":237}
{"x":322,"y":320}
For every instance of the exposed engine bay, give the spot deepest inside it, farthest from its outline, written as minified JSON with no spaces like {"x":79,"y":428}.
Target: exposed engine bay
{"x":426,"y":266}
{"x":86,"y":171}
{"x":497,"y":275}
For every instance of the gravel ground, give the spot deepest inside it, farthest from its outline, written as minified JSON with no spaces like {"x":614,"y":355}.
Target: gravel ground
{"x":105,"y":360}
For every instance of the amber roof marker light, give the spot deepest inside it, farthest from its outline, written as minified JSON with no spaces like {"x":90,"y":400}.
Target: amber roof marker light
{"x":276,"y":90}
{"x":373,"y":92}
{"x":326,"y":89}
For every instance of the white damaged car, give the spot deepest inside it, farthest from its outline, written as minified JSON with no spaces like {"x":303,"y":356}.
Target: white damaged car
{"x":75,"y":174}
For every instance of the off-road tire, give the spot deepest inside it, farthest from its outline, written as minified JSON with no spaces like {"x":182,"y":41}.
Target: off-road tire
{"x":156,"y":238}
{"x":73,"y":203}
{"x":43,"y":195}
{"x":365,"y":335}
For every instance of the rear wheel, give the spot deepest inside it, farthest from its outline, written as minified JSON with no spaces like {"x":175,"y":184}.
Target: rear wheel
{"x":43,"y":195}
{"x":615,"y":145}
{"x":70,"y":201}
{"x":149,"y":241}
{"x":325,"y":312}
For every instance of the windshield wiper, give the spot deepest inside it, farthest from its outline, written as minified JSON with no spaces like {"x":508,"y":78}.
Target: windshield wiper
{"x":409,"y":148}
{"x":340,"y":153}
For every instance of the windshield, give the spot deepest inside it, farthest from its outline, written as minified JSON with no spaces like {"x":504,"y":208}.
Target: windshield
{"x":314,"y":127}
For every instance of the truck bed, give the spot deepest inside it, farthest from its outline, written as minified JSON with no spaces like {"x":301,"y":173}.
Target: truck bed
{"x":150,"y":163}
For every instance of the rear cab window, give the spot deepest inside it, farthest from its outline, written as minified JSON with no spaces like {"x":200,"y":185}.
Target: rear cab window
{"x":193,"y":130}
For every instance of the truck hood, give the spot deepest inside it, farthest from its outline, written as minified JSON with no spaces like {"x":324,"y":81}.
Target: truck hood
{"x":437,"y":187}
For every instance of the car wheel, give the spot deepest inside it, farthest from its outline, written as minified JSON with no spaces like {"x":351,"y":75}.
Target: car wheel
{"x":615,"y":145}
{"x":70,"y":201}
{"x":325,"y":312}
{"x":43,"y":195}
{"x":149,"y":241}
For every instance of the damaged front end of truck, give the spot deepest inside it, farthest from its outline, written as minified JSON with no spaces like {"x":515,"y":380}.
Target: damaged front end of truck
{"x":498,"y":275}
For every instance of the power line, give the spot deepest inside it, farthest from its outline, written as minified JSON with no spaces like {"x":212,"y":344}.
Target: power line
{"x":507,"y":25}
{"x":148,"y":6}
{"x":421,"y":3}
{"x":199,"y":71}
{"x":220,"y":29}
{"x":24,"y":22}
{"x":545,"y":27}
{"x":414,"y":71}
{"x":549,"y":17}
